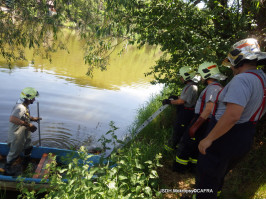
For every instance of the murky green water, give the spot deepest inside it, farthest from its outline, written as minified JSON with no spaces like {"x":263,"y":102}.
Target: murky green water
{"x":76,"y":109}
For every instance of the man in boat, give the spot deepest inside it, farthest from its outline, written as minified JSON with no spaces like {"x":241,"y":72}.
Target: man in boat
{"x":20,"y":129}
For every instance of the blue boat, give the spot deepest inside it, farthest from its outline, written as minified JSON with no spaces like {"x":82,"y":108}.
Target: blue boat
{"x":39,"y":154}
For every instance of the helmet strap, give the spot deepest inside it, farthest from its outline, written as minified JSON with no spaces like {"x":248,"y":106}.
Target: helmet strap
{"x":242,"y":62}
{"x":27,"y":102}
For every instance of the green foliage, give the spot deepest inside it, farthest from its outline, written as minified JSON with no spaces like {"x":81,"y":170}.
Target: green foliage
{"x":3,"y":194}
{"x":152,"y":138}
{"x":126,"y":175}
{"x":113,"y":140}
{"x":186,"y":34}
{"x":30,"y":24}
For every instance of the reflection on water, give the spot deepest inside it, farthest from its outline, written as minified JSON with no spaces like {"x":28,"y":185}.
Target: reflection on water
{"x":76,"y":109}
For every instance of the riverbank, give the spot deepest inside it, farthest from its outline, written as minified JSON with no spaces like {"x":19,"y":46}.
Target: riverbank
{"x":144,"y":167}
{"x":246,"y":180}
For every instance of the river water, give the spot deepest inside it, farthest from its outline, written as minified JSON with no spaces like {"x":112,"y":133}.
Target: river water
{"x":75,"y":108}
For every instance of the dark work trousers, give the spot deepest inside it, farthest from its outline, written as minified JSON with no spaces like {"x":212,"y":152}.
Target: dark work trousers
{"x":188,"y":147}
{"x":222,"y":156}
{"x":183,"y":118}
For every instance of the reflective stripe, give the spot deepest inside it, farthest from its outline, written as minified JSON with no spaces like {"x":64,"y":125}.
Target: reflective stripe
{"x":193,"y":161}
{"x":168,"y":148}
{"x":219,"y":193}
{"x":243,"y":45}
{"x":182,"y":125}
{"x":193,"y":138}
{"x":194,"y":196}
{"x":181,"y":161}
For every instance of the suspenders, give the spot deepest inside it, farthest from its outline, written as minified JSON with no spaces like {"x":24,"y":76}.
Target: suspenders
{"x":216,"y":103}
{"x":261,"y":107}
{"x":204,"y":97}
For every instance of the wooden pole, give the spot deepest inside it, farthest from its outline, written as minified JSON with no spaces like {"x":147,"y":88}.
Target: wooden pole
{"x":39,"y":130}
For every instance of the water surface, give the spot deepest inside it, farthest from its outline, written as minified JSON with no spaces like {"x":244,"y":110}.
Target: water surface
{"x":75,"y":108}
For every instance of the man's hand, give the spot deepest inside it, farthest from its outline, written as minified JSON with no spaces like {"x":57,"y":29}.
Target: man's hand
{"x":36,"y":119}
{"x":204,"y":144}
{"x":196,"y":126}
{"x":232,"y":114}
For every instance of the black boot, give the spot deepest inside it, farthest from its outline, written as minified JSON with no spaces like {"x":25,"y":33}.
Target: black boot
{"x":192,"y":168}
{"x":27,"y":152}
{"x":26,"y":159}
{"x":9,"y":170}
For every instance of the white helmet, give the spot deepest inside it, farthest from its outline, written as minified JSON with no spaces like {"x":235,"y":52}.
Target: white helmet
{"x":210,"y":70}
{"x":29,"y":93}
{"x":247,"y":49}
{"x":251,"y":45}
{"x":187,"y":73}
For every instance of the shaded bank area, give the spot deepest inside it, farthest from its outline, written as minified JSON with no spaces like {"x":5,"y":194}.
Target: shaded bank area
{"x":246,"y":180}
{"x":9,"y":194}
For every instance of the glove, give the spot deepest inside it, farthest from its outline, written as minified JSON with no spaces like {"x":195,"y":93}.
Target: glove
{"x":166,"y":101}
{"x":32,"y":128}
{"x":173,"y":97}
{"x":195,"y":127}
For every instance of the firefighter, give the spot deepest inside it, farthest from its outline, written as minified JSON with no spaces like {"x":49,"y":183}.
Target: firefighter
{"x":185,"y":104}
{"x":20,"y":128}
{"x":237,"y":109}
{"x":187,"y":152}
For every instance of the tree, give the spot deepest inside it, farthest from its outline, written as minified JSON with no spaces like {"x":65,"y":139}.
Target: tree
{"x":37,"y":23}
{"x":188,"y":35}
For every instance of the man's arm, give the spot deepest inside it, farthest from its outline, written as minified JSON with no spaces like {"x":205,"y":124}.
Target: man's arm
{"x":20,"y":122}
{"x":178,"y":102}
{"x":35,"y":119}
{"x":232,"y":114}
{"x":207,"y":110}
{"x":202,"y":118}
{"x":16,"y":120}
